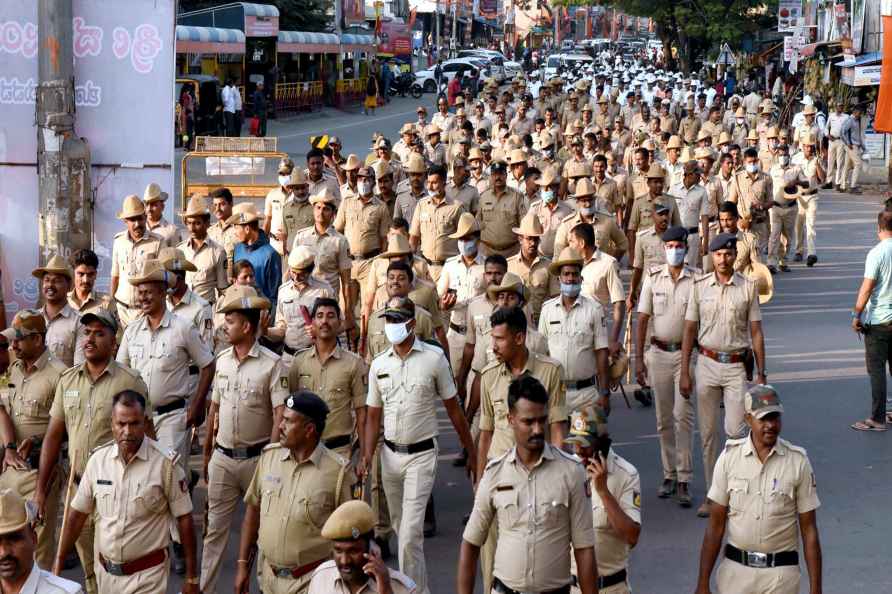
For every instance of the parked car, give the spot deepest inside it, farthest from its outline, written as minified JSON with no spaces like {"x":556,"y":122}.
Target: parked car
{"x":512,"y":68}
{"x":451,"y":68}
{"x":495,"y":60}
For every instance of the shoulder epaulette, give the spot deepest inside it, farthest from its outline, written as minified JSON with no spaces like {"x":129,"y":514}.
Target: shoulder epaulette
{"x":702,"y":277}
{"x":129,"y":370}
{"x":489,"y":367}
{"x":102,"y":446}
{"x":568,"y":456}
{"x":794,"y":448}
{"x":733,"y":443}
{"x":495,"y":461}
{"x":168,"y":453}
{"x":655,"y":269}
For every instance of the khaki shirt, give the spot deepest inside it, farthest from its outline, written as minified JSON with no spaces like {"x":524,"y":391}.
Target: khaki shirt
{"x":478,"y":330}
{"x":85,"y":406}
{"x":288,"y":310}
{"x":674,"y":173}
{"x":608,"y":197}
{"x":443,"y":121}
{"x":332,"y":254}
{"x":666,"y":301}
{"x":750,"y":192}
{"x":28,"y":396}
{"x":272,"y":208}
{"x":466,"y":194}
{"x":133,"y":501}
{"x":600,"y":279}
{"x":169,"y":232}
{"x":324,"y":182}
{"x":128,"y":259}
{"x":498,"y":215}
{"x":724,"y":312}
{"x":295,"y":500}
{"x":550,"y":217}
{"x":537,"y":279}
{"x":608,"y":236}
{"x":436,"y":155}
{"x":482,"y":183}
{"x":364,"y":223}
{"x":198,"y":313}
{"x":649,"y":249}
{"x":689,"y":128}
{"x":405,"y":204}
{"x":467,"y":281}
{"x":494,"y":381}
{"x":327,"y":580}
{"x":248,"y":392}
{"x":62,"y":334}
{"x":714,"y":130}
{"x":211,"y":278}
{"x":162,"y":356}
{"x":296,"y":215}
{"x":574,"y":336}
{"x":764,"y":500}
{"x":340,"y":381}
{"x":643,"y":210}
{"x":624,"y":484}
{"x":224,"y":235}
{"x":377,"y":277}
{"x":747,"y":251}
{"x":377,"y":341}
{"x":93,"y":302}
{"x":540,"y":513}
{"x":433,"y":222}
{"x":408,"y":389}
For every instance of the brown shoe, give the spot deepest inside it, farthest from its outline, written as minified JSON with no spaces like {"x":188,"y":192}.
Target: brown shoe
{"x":666,"y":489}
{"x":682,"y":495}
{"x":703,"y":510}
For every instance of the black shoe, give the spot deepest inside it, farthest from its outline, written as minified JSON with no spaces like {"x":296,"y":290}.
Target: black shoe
{"x":811,"y":260}
{"x":666,"y":489}
{"x":827,"y":186}
{"x":798,"y":258}
{"x":772,"y":269}
{"x":384,"y":544}
{"x":178,"y":559}
{"x":430,"y":519}
{"x":683,"y":496}
{"x":784,"y":268}
{"x":462,"y":460}
{"x":71,"y":561}
{"x":644,"y":395}
{"x":855,"y":190}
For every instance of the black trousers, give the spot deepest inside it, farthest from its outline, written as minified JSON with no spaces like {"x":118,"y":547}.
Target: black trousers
{"x":878,"y":355}
{"x":229,"y":123}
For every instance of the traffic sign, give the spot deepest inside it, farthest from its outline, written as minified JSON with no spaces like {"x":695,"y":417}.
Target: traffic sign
{"x":726,"y":58}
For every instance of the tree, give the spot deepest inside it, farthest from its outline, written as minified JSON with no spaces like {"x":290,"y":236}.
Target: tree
{"x":294,"y":15}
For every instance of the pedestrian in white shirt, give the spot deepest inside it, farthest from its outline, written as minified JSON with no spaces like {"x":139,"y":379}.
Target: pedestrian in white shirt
{"x":836,"y":149}
{"x":852,"y":135}
{"x":227,"y":95}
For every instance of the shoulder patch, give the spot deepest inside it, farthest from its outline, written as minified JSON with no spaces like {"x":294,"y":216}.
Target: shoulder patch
{"x":733,"y":443}
{"x":496,"y":461}
{"x":655,"y":270}
{"x":166,"y":452}
{"x":272,"y":446}
{"x":703,"y":277}
{"x":794,"y":448}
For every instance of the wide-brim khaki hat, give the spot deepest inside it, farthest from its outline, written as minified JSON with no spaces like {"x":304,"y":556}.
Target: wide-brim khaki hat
{"x":772,"y":132}
{"x":530,"y":226}
{"x":349,"y":521}
{"x":416,"y":164}
{"x":703,"y":135}
{"x":324,"y":196}
{"x":656,"y":172}
{"x":397,"y":245}
{"x":301,"y":258}
{"x":740,"y":113}
{"x":546,"y":139}
{"x":174,"y":260}
{"x":297,"y":178}
{"x":285,"y":166}
{"x":56,"y":265}
{"x":432,"y":129}
{"x":510,"y":282}
{"x":13,"y":512}
{"x":153,"y":272}
{"x":567,"y":257}
{"x":674,"y":142}
{"x":759,"y":274}
{"x":244,"y":213}
{"x":352,"y":163}
{"x":618,"y":366}
{"x":809,"y":110}
{"x":517,"y":156}
{"x":704,"y":153}
{"x":584,"y":188}
{"x":752,"y":135}
{"x":241,"y":297}
{"x":153,"y":193}
{"x":467,"y":224}
{"x":548,"y":178}
{"x":724,"y":138}
{"x":132,"y":207}
{"x":196,"y":207}
{"x":408,"y":128}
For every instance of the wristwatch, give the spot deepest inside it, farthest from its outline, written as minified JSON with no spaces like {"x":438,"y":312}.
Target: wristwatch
{"x":11,"y":446}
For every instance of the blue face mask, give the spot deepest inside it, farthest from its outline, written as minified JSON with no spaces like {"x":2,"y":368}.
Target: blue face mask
{"x":675,"y":256}
{"x":467,"y":247}
{"x":571,"y":290}
{"x":548,"y":195}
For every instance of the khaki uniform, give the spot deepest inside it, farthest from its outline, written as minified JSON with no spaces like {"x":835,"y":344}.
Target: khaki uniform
{"x":327,"y":580}
{"x":376,"y":283}
{"x":443,"y":121}
{"x":783,"y":215}
{"x":224,"y":236}
{"x":609,"y":238}
{"x":377,"y":341}
{"x":408,"y":390}
{"x":295,"y":500}
{"x":162,"y":357}
{"x":61,"y":335}
{"x":211,"y":278}
{"x":290,"y":318}
{"x":714,"y":130}
{"x":365,"y":224}
{"x":325,"y":182}
{"x":674,"y":173}
{"x":689,"y":128}
{"x":198,"y":313}
{"x":405,"y":204}
{"x":573,"y":337}
{"x":693,"y":203}
{"x":753,"y":197}
{"x":498,"y":215}
{"x":468,"y":282}
{"x":808,"y":206}
{"x":297,"y":215}
{"x":539,"y":513}
{"x":536,"y":278}
{"x":436,"y":155}
{"x":128,"y":259}
{"x":248,"y":392}
{"x":600,"y":279}
{"x":332,"y":254}
{"x":466,"y":194}
{"x":641,"y":216}
{"x":133,"y":504}
{"x":649,"y":250}
{"x":723,"y":314}
{"x":85,"y":406}
{"x":478,"y":327}
{"x":608,"y":197}
{"x":341,"y":382}
{"x":666,"y":301}
{"x":624,"y":484}
{"x":93,"y":302}
{"x":433,"y":222}
{"x":482,"y":183}
{"x":551,"y":218}
{"x":170,"y":233}
{"x":764,"y":501}
{"x":27,"y":397}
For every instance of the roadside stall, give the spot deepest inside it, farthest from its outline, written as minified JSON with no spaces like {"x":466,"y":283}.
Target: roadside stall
{"x":307,"y":70}
{"x":357,"y":53}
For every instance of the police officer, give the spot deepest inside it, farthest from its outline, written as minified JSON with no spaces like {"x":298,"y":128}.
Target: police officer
{"x":764,"y":496}
{"x":608,"y":236}
{"x":753,"y":194}
{"x":540,"y":499}
{"x":130,"y":250}
{"x":338,"y":376}
{"x":81,"y":413}
{"x":641,"y":215}
{"x":250,"y":387}
{"x":616,"y":504}
{"x":398,"y":249}
{"x":661,"y":310}
{"x":649,"y":250}
{"x":356,"y":566}
{"x":501,"y":208}
{"x":405,"y":382}
{"x":724,"y":320}
{"x":549,"y":210}
{"x":695,"y":210}
{"x":133,"y":488}
{"x":154,"y":200}
{"x":183,"y":302}
{"x":297,"y":212}
{"x":575,"y":326}
{"x":297,"y":485}
{"x":435,"y":218}
{"x":61,"y":319}
{"x":747,"y":244}
{"x":274,"y":200}
{"x":531,"y":266}
{"x":26,"y":410}
{"x":407,"y":198}
{"x":209,"y":278}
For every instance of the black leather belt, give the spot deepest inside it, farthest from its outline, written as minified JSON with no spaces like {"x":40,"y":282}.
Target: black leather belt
{"x":170,"y":406}
{"x":338,"y":442}
{"x":193,"y":370}
{"x":693,"y":230}
{"x":457,"y":328}
{"x":367,"y":255}
{"x":413,"y":448}
{"x":785,"y":203}
{"x":500,"y":587}
{"x":669,"y":347}
{"x":606,"y":581}
{"x":761,"y":560}
{"x":242,"y":453}
{"x":289,"y":350}
{"x":580,"y":384}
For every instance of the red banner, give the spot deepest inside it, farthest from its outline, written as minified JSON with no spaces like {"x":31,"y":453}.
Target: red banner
{"x":883,"y":120}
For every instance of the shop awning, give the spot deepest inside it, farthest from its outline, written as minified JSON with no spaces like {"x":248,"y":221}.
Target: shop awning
{"x":209,"y":40}
{"x":353,"y":42}
{"x":293,"y":42}
{"x":261,"y":10}
{"x":863,"y":60}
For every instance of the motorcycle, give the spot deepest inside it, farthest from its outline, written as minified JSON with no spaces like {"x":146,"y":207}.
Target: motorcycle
{"x":405,"y":83}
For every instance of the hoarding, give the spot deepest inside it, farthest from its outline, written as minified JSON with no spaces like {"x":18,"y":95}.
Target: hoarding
{"x":789,"y":15}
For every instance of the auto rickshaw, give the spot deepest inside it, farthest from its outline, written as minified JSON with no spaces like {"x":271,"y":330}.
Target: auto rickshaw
{"x":208,"y":121}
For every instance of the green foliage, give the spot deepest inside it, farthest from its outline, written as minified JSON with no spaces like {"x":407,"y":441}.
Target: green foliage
{"x":294,"y":15}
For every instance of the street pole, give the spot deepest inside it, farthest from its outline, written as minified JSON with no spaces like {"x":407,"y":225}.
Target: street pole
{"x":454,"y":42}
{"x":65,"y":220}
{"x":437,"y":22}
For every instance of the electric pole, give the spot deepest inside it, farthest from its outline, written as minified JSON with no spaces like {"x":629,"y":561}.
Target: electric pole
{"x":65,"y":218}
{"x":437,"y":41}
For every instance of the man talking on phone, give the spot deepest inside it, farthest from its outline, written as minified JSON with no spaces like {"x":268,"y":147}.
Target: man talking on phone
{"x":616,"y":503}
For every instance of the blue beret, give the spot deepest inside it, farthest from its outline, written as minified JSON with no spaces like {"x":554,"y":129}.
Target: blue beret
{"x":675,"y":234}
{"x":723,"y":241}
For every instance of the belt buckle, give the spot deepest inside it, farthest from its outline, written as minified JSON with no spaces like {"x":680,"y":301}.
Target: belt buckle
{"x":116,"y":569}
{"x":724,"y":358}
{"x":756,"y":559}
{"x":283,"y":572}
{"x":239,"y":452}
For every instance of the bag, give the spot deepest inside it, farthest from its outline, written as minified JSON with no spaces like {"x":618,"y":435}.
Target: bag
{"x":254,"y":126}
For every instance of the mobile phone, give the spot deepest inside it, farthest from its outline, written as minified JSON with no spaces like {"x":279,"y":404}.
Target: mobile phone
{"x":327,"y":151}
{"x":604,"y":447}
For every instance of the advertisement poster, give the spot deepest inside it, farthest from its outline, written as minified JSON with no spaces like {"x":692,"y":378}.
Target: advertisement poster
{"x":489,"y":9}
{"x":124,"y":90}
{"x":789,"y":15}
{"x":857,"y":25}
{"x":354,"y":12}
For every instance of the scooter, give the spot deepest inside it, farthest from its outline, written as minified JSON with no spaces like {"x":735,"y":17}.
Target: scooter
{"x":405,"y":83}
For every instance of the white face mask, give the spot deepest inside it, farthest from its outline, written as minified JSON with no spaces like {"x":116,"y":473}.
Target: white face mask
{"x":675,"y":256}
{"x":740,"y":120}
{"x":571,"y":290}
{"x":586,"y":211}
{"x":784,"y":160}
{"x":396,"y":333}
{"x":467,"y":247}
{"x":364,"y":187}
{"x":752,"y":167}
{"x":284,"y":179}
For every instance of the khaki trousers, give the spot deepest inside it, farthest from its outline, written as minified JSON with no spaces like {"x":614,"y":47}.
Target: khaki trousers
{"x":24,"y":482}
{"x":172,"y":435}
{"x":734,"y":578}
{"x":836,"y":161}
{"x":805,"y":221}
{"x":148,"y":581}
{"x":853,"y":167}
{"x":408,"y":482}
{"x":488,"y":554}
{"x":675,"y":414}
{"x":456,"y":344}
{"x":581,"y":399}
{"x":716,"y":382}
{"x":270,"y":583}
{"x":228,"y":481}
{"x":85,"y":546}
{"x":762,"y":231}
{"x":784,"y":222}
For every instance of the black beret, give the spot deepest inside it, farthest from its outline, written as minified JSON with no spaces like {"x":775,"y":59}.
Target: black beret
{"x":308,"y":404}
{"x":723,"y":241}
{"x":675,"y":234}
{"x":660,"y":206}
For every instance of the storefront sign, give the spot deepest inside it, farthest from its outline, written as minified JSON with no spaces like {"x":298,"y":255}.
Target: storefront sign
{"x":261,"y":26}
{"x":789,"y":15}
{"x":862,"y":76}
